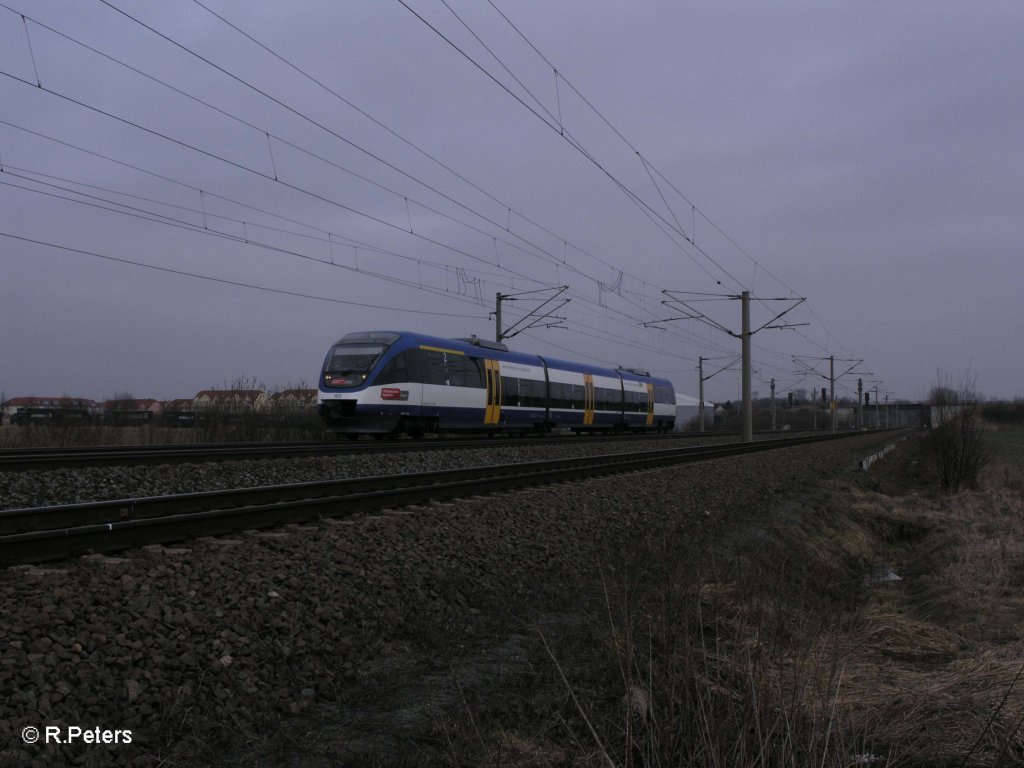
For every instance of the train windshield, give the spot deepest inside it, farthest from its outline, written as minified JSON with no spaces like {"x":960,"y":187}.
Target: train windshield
{"x":352,"y":358}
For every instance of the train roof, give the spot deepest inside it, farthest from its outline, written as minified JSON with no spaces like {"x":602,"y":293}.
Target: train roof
{"x":499,"y":351}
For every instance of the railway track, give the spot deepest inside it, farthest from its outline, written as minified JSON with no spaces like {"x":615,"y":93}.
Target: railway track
{"x":64,"y":458}
{"x":42,"y":534}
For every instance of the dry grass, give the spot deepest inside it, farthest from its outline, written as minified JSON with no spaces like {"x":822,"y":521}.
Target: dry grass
{"x":771,"y":644}
{"x":937,"y":663}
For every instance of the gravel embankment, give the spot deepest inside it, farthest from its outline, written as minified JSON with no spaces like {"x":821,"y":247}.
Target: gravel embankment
{"x":68,"y":486}
{"x":197,"y":649}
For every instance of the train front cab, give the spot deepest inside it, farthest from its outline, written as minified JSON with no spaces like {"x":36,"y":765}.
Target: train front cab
{"x":347,"y":383}
{"x":380,"y":383}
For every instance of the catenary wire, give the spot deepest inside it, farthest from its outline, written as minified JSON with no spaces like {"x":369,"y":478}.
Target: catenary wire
{"x":224,"y":281}
{"x":403,"y":139}
{"x":158,"y":218}
{"x":646,"y":163}
{"x":275,"y":175}
{"x":440,"y":244}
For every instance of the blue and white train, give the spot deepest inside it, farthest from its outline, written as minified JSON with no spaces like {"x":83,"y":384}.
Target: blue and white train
{"x":393,"y":382}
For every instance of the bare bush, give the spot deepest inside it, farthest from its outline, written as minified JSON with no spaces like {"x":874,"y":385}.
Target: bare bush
{"x":957,"y":439}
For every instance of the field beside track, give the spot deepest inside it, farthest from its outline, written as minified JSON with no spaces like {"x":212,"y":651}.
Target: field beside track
{"x":785,"y":608}
{"x":865,"y":620}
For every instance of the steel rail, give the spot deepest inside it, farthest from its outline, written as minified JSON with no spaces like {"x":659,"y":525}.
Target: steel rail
{"x":118,"y":510}
{"x":52,"y":533}
{"x":63,"y":458}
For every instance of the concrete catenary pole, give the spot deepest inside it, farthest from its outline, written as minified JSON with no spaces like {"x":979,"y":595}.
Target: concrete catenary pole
{"x":832,"y":392}
{"x":748,"y":411}
{"x":497,"y":317}
{"x":700,"y":405}
{"x":773,"y":405}
{"x":860,"y":403}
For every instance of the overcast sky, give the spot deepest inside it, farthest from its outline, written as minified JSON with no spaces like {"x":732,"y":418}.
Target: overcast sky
{"x":194,"y":195}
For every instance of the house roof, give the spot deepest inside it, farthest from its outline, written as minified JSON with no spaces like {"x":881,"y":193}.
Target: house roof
{"x":297,"y":394}
{"x":141,"y":404}
{"x":230,"y":394}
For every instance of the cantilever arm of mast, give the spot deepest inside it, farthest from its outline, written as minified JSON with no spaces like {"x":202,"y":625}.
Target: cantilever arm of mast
{"x":532,"y":319}
{"x":692,"y":314}
{"x":796,"y":304}
{"x":725,"y":367}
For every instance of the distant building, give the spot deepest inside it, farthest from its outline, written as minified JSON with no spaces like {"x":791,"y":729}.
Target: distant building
{"x":27,"y":410}
{"x":688,"y":408}
{"x":181,"y":404}
{"x":293,"y":402}
{"x":177,"y":413}
{"x":229,"y":401}
{"x":130,"y":411}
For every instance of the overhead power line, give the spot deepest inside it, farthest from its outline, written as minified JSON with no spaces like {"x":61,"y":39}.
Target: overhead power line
{"x":626,"y":294}
{"x":554,"y":124}
{"x":324,"y":235}
{"x":95,"y":201}
{"x":237,"y":283}
{"x":512,"y":210}
{"x":263,"y":131}
{"x":275,"y":176}
{"x":557,"y":125}
{"x":291,"y":220}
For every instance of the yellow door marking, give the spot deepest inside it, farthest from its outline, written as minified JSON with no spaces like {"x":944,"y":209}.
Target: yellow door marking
{"x":492,"y":374}
{"x":588,"y":398}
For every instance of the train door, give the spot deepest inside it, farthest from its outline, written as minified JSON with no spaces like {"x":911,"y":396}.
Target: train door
{"x":588,"y":399}
{"x":547,"y":394}
{"x":650,"y":404}
{"x":492,"y":371}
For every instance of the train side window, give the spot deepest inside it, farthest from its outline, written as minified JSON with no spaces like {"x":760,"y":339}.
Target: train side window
{"x":577,"y":396}
{"x":636,"y":401}
{"x":397,"y":370}
{"x":611,"y":399}
{"x":531,"y":393}
{"x":560,"y":394}
{"x":474,"y":372}
{"x":565,"y":395}
{"x":540,"y":394}
{"x":456,"y":370}
{"x":615,"y":398}
{"x":510,"y":390}
{"x":434,"y":368}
